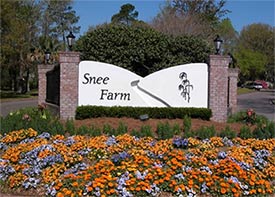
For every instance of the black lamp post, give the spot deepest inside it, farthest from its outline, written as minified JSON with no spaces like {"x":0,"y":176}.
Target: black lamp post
{"x":218,"y":43}
{"x":47,"y":55}
{"x":70,"y":39}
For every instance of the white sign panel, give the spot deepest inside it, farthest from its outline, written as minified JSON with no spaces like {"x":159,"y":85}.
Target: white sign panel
{"x":104,"y":84}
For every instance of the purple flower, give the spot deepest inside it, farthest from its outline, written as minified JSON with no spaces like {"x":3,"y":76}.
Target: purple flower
{"x":180,"y":142}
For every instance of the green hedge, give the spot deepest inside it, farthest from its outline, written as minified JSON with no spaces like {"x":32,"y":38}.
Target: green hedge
{"x":84,"y":112}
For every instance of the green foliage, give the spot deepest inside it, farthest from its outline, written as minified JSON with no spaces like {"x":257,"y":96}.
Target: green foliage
{"x":164,"y":131}
{"x":264,"y":130}
{"x":69,"y":126}
{"x":56,"y":127}
{"x":108,"y":129}
{"x":94,"y":131}
{"x":145,"y":131}
{"x":251,"y":63}
{"x":91,"y":131}
{"x":176,"y":129}
{"x":243,"y":117}
{"x":121,"y":129}
{"x":41,"y":121}
{"x":245,"y":133}
{"x":84,"y":112}
{"x":142,"y":50}
{"x":27,"y":29}
{"x":82,"y":130}
{"x":228,"y":132}
{"x":229,"y":35}
{"x":58,"y":18}
{"x":187,"y":123}
{"x":126,"y":15}
{"x":206,"y":132}
{"x":255,"y":52}
{"x":189,"y":17}
{"x":202,"y":133}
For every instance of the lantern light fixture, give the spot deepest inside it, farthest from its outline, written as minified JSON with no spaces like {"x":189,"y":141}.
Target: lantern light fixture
{"x":218,"y":43}
{"x":47,"y":55}
{"x":70,"y":40}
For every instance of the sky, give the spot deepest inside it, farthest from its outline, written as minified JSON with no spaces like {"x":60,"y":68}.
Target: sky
{"x":243,"y":12}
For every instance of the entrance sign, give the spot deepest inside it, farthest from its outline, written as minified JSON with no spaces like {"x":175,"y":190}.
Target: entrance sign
{"x":104,"y":84}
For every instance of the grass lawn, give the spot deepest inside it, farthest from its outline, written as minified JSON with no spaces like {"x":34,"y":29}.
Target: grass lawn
{"x":9,"y":95}
{"x":244,"y":91}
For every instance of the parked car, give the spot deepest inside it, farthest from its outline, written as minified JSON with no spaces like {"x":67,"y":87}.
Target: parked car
{"x":264,"y":84}
{"x":254,"y":85}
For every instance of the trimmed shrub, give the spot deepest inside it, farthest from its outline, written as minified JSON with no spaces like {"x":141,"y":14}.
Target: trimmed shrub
{"x":142,"y":50}
{"x":84,"y":112}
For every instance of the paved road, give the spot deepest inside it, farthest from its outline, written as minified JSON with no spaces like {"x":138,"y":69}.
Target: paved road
{"x":259,"y":101}
{"x":7,"y":107}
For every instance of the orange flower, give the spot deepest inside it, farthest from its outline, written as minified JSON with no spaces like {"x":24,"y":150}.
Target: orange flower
{"x":234,"y":190}
{"x":59,"y":194}
{"x":89,"y":188}
{"x":259,"y":190}
{"x":190,"y":182}
{"x":223,"y":184}
{"x":223,"y":190}
{"x":112,"y":191}
{"x":110,"y":184}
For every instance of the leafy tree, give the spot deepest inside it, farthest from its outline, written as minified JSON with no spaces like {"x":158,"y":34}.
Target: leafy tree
{"x":127,"y":15}
{"x":229,"y":35}
{"x":199,"y":18}
{"x":211,"y":10}
{"x":59,"y":18}
{"x":259,"y":39}
{"x":28,"y":28}
{"x":141,"y":50}
{"x":19,"y":34}
{"x":251,"y":63}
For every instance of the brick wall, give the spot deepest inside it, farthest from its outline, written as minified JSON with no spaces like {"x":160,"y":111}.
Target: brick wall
{"x":42,"y":81}
{"x":69,"y":62}
{"x":233,"y":80}
{"x":218,"y":87}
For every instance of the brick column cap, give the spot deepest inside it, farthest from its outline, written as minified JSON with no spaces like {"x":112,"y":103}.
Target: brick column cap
{"x":219,"y":60}
{"x":69,"y":57}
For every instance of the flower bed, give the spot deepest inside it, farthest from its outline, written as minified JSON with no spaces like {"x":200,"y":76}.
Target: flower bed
{"x":130,"y":166}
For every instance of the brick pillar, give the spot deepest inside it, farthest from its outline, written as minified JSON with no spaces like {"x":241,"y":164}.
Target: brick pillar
{"x":42,"y":81}
{"x":69,"y":62}
{"x":233,"y":80}
{"x":218,"y":87}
